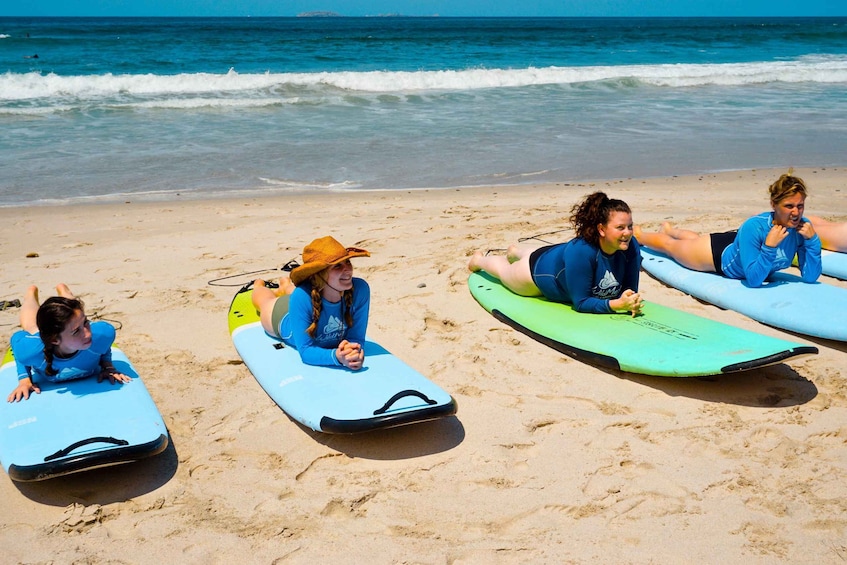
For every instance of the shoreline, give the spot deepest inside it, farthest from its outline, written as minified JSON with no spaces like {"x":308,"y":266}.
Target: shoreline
{"x":268,"y":193}
{"x":547,"y":460}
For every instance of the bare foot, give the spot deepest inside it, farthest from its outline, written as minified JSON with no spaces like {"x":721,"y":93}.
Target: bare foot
{"x":513,"y":253}
{"x":678,"y":233}
{"x":32,"y":294}
{"x":286,"y":287}
{"x":473,"y":264}
{"x":63,"y":291}
{"x":29,"y":310}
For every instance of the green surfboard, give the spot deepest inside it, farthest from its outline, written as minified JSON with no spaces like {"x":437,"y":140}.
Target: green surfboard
{"x":661,"y":342}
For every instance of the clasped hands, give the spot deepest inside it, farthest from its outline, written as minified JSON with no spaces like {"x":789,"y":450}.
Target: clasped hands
{"x":351,"y":355}
{"x":630,"y":301}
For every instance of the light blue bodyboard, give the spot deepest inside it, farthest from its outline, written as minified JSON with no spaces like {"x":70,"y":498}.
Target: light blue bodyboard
{"x":386,"y":392}
{"x":77,"y":425}
{"x":834,"y":264}
{"x":784,"y":301}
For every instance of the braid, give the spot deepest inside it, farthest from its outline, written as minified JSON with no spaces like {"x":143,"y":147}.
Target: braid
{"x":318,"y":282}
{"x":348,"y":307}
{"x":316,"y":308}
{"x":48,"y":356}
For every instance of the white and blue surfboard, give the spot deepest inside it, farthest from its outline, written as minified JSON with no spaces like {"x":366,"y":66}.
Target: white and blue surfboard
{"x":77,"y":425}
{"x":784,"y":301}
{"x":834,"y":264}
{"x":385,"y":393}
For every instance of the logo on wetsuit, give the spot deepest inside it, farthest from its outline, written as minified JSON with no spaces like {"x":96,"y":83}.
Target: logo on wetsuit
{"x":608,"y":287}
{"x":334,"y":329}
{"x":781,"y":259}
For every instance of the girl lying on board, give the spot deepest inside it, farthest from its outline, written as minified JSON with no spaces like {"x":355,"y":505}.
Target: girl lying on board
{"x":764,"y":243}
{"x":322,"y":310}
{"x":58,"y":343}
{"x":597,"y":271}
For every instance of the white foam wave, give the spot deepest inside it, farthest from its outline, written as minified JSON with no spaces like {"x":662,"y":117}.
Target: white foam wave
{"x":222,"y":88}
{"x":295,"y":185}
{"x":4,"y":36}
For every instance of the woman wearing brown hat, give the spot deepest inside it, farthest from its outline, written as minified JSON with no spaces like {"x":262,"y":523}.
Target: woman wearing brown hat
{"x":322,"y":310}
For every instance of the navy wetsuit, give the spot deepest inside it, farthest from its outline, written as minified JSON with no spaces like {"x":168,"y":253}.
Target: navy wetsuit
{"x":579,"y":273}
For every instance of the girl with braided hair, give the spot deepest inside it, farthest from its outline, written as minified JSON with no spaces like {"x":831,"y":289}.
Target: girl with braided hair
{"x":764,"y":243}
{"x":57,"y":343}
{"x":322,"y":309}
{"x":597,"y":271}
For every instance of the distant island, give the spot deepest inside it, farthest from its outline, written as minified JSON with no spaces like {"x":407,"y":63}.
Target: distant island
{"x":328,"y":14}
{"x":319,"y":14}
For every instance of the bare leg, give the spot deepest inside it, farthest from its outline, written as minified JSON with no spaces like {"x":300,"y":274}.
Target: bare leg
{"x":514,"y":275}
{"x":678,"y":233}
{"x":694,"y":253}
{"x":833,"y":234}
{"x":264,"y":299}
{"x":29,"y":309}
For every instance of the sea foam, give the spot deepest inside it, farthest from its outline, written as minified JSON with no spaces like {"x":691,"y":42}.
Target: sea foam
{"x":52,"y":88}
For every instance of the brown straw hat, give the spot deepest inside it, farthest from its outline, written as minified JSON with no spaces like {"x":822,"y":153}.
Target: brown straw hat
{"x":322,"y":253}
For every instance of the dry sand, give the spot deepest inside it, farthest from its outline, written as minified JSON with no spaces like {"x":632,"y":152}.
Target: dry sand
{"x":548,"y":460}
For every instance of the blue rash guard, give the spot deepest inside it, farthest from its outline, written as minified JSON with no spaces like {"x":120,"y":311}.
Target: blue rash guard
{"x":331,"y":328}
{"x":579,"y":273}
{"x":749,"y":258}
{"x":29,"y":355}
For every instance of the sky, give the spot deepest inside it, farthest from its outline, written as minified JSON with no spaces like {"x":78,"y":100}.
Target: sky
{"x":621,"y":8}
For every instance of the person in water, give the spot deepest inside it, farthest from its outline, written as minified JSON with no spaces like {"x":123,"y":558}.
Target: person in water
{"x":58,"y":343}
{"x":764,"y":243}
{"x":322,"y":309}
{"x":596,"y":272}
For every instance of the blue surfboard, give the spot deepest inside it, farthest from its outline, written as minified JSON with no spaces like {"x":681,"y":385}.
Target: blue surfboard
{"x":834,"y":264}
{"x":784,"y":301}
{"x":385,"y":393}
{"x":77,"y":425}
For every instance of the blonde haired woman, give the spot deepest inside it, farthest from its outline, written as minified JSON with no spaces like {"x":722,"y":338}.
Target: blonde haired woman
{"x":764,"y":244}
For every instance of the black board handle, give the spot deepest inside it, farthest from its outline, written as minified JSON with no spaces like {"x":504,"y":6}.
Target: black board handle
{"x":403,"y":394}
{"x":68,"y":449}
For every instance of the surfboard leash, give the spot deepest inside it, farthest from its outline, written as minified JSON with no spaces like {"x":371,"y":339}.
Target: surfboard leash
{"x":538,"y":236}
{"x":287,"y":267}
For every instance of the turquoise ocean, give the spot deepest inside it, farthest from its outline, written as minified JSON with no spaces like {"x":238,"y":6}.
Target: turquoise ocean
{"x":100,"y":109}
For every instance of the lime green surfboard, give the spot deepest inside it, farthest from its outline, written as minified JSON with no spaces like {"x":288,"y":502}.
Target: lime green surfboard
{"x":661,"y":342}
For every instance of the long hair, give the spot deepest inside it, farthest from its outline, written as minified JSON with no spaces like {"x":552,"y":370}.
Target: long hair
{"x":786,"y":186}
{"x":594,"y":209}
{"x":318,"y":282}
{"x":52,"y":318}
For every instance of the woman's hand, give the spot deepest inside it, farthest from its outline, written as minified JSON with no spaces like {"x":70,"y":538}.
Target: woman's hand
{"x":23,"y":389}
{"x":630,"y":301}
{"x":807,"y":230}
{"x":113,"y":375}
{"x":351,"y":355}
{"x":776,"y":234}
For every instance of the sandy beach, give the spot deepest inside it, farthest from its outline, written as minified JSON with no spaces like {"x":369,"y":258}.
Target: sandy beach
{"x":548,"y":460}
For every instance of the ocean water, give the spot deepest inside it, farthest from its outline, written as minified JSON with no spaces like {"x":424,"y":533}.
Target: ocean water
{"x":159,"y":108}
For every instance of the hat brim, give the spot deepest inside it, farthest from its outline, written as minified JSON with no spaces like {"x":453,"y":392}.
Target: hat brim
{"x":303,"y":272}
